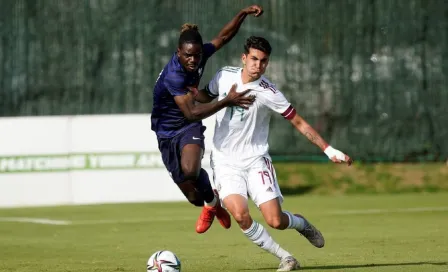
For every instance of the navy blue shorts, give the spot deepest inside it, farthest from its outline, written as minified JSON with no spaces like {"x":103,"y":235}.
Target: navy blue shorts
{"x":171,"y":149}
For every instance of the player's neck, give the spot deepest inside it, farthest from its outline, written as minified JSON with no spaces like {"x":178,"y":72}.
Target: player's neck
{"x":245,"y":78}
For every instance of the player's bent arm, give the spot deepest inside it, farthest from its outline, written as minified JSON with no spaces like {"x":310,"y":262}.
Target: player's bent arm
{"x":195,"y":112}
{"x":231,"y":28}
{"x":203,"y":97}
{"x":303,"y":127}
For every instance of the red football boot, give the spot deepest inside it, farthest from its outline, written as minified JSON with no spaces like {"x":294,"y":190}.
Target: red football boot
{"x":206,"y":218}
{"x":221,"y":213}
{"x":223,"y":216}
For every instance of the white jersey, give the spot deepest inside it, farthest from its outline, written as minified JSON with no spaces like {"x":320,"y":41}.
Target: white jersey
{"x":241,"y":136}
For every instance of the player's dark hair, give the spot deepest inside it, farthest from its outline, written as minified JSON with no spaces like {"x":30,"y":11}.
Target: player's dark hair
{"x":258,"y":43}
{"x":189,"y":33}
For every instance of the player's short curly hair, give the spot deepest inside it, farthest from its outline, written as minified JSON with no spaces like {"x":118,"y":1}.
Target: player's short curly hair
{"x":189,"y":33}
{"x":259,"y":43}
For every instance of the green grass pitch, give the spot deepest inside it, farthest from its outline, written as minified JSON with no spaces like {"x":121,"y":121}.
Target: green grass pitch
{"x":402,"y":232}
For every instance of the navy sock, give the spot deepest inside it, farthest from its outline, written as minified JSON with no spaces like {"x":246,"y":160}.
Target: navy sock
{"x":204,"y":187}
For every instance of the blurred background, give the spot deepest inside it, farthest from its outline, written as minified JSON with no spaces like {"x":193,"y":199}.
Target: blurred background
{"x":370,"y":76}
{"x":76,"y":81}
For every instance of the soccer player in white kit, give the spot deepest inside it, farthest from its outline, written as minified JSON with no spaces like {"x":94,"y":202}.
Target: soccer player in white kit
{"x":240,"y":160}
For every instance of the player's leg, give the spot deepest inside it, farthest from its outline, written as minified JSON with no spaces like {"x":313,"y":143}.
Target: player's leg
{"x":231,"y":184}
{"x":278,"y":219}
{"x":266,"y":194}
{"x":238,"y":207}
{"x":192,"y":151}
{"x":171,"y":156}
{"x":190,"y":165}
{"x":215,"y":206}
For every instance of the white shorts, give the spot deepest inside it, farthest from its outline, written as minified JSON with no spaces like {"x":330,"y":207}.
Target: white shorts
{"x":259,"y":181}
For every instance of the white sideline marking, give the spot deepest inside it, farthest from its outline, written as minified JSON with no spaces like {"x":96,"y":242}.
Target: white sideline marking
{"x":136,"y":220}
{"x":44,"y":221}
{"x":378,"y":211}
{"x":47,"y":221}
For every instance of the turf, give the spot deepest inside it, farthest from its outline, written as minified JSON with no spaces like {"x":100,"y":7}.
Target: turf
{"x":406,"y":232}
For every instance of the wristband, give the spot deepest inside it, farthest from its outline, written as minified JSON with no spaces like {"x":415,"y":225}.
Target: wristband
{"x":331,"y":152}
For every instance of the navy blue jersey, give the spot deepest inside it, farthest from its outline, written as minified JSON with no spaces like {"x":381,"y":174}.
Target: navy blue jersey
{"x":167,"y":120}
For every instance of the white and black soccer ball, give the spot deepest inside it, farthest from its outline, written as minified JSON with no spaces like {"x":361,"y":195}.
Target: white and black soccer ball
{"x":163,"y":261}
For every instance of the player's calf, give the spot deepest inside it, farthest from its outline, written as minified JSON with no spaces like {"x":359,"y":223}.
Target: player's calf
{"x":196,"y":201}
{"x":273,"y":214}
{"x":278,"y":221}
{"x":191,"y":193}
{"x":202,"y":184}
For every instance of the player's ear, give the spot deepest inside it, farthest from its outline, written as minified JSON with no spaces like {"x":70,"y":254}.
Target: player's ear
{"x":243,"y":58}
{"x":179,"y":49}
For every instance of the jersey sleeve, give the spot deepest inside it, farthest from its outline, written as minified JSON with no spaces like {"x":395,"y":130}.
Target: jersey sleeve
{"x":208,"y":50}
{"x":212,"y":88}
{"x":276,"y":101}
{"x":175,"y":83}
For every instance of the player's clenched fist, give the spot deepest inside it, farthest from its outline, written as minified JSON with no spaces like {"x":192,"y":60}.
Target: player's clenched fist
{"x":256,"y":10}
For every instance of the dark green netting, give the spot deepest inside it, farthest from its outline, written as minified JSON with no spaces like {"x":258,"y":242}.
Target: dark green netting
{"x":370,"y":75}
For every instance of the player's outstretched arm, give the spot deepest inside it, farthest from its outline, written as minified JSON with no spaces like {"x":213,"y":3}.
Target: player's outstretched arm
{"x":333,"y":154}
{"x":231,"y":28}
{"x":195,"y":112}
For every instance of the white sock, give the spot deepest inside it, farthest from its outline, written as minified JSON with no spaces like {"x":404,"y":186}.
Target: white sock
{"x":213,"y":203}
{"x":295,"y":222}
{"x":258,"y":234}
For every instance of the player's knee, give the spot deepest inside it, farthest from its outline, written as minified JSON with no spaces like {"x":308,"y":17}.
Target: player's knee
{"x":191,"y":168}
{"x":243,"y":218}
{"x":276,"y":222}
{"x":190,"y":173}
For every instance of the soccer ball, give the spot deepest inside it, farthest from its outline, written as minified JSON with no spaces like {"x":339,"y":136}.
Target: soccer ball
{"x":163,"y":261}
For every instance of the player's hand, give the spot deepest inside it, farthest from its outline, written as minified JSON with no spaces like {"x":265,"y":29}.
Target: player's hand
{"x":256,"y":10}
{"x":234,"y":98}
{"x":337,"y":156}
{"x":193,"y":90}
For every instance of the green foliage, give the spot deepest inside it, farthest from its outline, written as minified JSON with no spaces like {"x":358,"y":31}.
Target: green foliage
{"x":328,"y":178}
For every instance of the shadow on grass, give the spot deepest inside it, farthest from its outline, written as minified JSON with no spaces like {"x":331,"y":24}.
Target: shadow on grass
{"x":351,"y":266}
{"x":296,"y":190}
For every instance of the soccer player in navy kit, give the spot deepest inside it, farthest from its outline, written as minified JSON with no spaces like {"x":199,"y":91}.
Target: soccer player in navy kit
{"x":176,"y":117}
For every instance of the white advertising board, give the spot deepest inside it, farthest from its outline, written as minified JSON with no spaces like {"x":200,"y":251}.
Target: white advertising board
{"x":84,"y":160}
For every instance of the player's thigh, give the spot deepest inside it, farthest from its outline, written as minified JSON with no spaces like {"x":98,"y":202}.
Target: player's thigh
{"x":191,"y":156}
{"x":191,"y":144}
{"x":171,"y":158}
{"x":229,"y":181}
{"x":262,"y":183}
